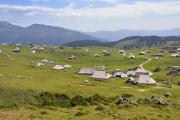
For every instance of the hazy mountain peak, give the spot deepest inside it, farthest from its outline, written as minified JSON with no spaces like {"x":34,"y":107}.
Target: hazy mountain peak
{"x":4,"y":23}
{"x":119,"y":34}
{"x":39,"y":34}
{"x":36,"y":25}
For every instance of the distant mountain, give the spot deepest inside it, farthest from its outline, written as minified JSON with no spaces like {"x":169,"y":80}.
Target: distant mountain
{"x":146,"y":41}
{"x":86,"y":43}
{"x":129,"y":42}
{"x":39,"y":34}
{"x":120,"y":34}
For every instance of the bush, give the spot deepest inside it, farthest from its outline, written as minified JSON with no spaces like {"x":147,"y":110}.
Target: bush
{"x":95,"y":99}
{"x":80,"y":113}
{"x":48,"y":99}
{"x":43,"y":112}
{"x":100,"y":108}
{"x":62,"y":100}
{"x":126,"y":105}
{"x":178,"y":83}
{"x":127,"y":95}
{"x":78,"y":100}
{"x":9,"y":106}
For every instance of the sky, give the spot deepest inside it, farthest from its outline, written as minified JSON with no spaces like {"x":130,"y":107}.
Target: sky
{"x":93,"y":15}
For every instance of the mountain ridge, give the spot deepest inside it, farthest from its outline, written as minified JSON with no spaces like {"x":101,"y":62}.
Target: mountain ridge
{"x":40,"y":34}
{"x":129,"y":42}
{"x":123,"y":33}
{"x":86,"y":43}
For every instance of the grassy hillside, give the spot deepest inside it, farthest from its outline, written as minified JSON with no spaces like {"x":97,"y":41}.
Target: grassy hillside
{"x":146,"y":41}
{"x":130,"y":42}
{"x":87,"y":43}
{"x":21,"y":80}
{"x":39,"y":34}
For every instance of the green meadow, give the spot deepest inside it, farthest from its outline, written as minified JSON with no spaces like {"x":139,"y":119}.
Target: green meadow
{"x":21,"y":79}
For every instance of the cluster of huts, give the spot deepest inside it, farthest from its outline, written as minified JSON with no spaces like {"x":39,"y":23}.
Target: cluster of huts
{"x":145,"y":52}
{"x":55,"y":67}
{"x":59,"y":67}
{"x":39,"y":48}
{"x":174,"y":55}
{"x":177,"y":68}
{"x":130,"y":56}
{"x":173,"y":50}
{"x":137,"y":75}
{"x":158,"y":56}
{"x":175,"y":71}
{"x":33,"y":49}
{"x":97,"y":72}
{"x":16,"y":49}
{"x":106,"y":53}
{"x":43,"y":61}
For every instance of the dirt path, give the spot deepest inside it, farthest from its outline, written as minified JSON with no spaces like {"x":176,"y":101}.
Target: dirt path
{"x":142,"y":64}
{"x":8,"y":56}
{"x":149,"y":60}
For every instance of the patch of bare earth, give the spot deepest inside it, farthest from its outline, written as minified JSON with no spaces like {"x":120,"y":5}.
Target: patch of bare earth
{"x":12,"y":115}
{"x":141,"y":90}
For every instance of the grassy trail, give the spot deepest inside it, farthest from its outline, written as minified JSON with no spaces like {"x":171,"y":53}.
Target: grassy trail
{"x":149,"y":60}
{"x":21,"y":79}
{"x":142,"y":64}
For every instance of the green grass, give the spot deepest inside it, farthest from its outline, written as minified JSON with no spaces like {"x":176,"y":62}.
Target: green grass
{"x":20,"y":80}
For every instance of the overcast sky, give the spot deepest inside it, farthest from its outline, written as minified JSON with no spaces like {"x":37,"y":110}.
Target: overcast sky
{"x":93,"y":15}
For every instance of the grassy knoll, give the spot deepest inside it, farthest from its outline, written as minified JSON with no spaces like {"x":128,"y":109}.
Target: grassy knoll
{"x":20,"y":80}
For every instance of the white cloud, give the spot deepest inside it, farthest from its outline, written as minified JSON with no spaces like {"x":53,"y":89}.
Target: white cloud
{"x":29,"y":10}
{"x":40,"y":0}
{"x":126,"y":10}
{"x":131,"y":10}
{"x":105,"y":1}
{"x":139,"y":15}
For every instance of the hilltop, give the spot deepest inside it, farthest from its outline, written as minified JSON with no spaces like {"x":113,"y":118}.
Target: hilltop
{"x":146,"y":41}
{"x":120,"y":34}
{"x":130,"y":42}
{"x":32,"y":91}
{"x":86,"y":43}
{"x":39,"y":34}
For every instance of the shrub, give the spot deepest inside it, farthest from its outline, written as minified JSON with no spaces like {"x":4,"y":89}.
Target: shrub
{"x":95,"y":99}
{"x":128,"y":106}
{"x":80,"y":113}
{"x":48,"y":99}
{"x":9,"y":106}
{"x":78,"y":100}
{"x":100,"y":108}
{"x":62,"y":100}
{"x":178,"y":83}
{"x":127,"y":95}
{"x":43,"y":112}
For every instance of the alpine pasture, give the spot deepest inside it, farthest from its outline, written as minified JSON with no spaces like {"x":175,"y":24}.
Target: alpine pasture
{"x":21,"y":80}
